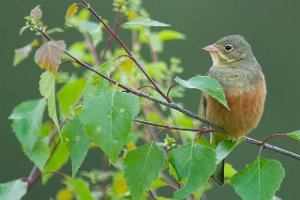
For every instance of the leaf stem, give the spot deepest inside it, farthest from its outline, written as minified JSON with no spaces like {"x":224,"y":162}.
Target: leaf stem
{"x":268,"y":138}
{"x":170,"y":88}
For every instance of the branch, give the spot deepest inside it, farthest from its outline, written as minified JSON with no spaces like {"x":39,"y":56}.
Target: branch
{"x":262,"y":144}
{"x":122,"y":44}
{"x":174,"y":106}
{"x":272,"y":148}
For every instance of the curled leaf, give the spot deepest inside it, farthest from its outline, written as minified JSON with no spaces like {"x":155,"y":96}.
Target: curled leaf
{"x":48,"y":56}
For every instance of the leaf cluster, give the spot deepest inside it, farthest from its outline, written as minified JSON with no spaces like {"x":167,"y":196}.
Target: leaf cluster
{"x":85,"y":111}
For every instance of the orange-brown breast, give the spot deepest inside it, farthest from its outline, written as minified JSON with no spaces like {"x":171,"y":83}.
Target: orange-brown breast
{"x":246,"y":108}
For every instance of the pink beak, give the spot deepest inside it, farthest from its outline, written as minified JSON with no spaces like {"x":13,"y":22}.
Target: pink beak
{"x":211,"y":48}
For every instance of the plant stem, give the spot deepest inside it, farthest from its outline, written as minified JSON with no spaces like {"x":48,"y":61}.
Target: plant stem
{"x":174,"y":106}
{"x":122,"y":44}
{"x":268,"y":138}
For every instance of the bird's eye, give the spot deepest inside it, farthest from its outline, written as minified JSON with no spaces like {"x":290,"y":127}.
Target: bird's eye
{"x":228,"y":47}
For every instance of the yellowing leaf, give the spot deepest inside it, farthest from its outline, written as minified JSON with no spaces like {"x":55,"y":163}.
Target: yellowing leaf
{"x":64,"y":194}
{"x":119,"y":187}
{"x":132,"y":15}
{"x":48,"y":56}
{"x":72,"y":10}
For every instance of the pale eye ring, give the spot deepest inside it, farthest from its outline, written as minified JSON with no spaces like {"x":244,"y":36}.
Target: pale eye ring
{"x":228,"y":47}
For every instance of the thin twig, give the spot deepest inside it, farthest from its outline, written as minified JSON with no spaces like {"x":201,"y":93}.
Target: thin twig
{"x":170,"y":88}
{"x":169,"y":127}
{"x":268,"y":138}
{"x":91,"y":47}
{"x":145,"y":86}
{"x":159,"y":133}
{"x":64,"y":62}
{"x":122,"y":44}
{"x":110,"y":39}
{"x":273,"y":148}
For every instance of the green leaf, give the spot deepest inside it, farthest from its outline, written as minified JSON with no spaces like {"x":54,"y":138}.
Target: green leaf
{"x":80,"y":187}
{"x":96,"y":85}
{"x":145,"y":22}
{"x":194,"y":165}
{"x":142,"y":167}
{"x":27,"y":120}
{"x":295,"y":135}
{"x":260,"y":180}
{"x":49,"y":54}
{"x":108,"y":119}
{"x":77,"y":142}
{"x":58,"y":159}
{"x":40,"y":152}
{"x":229,"y":171}
{"x":21,"y":54}
{"x":47,"y":90}
{"x":85,"y":26}
{"x":79,"y":50}
{"x":68,"y":95}
{"x":224,"y":148}
{"x":206,"y":84}
{"x":13,"y":190}
{"x":165,"y":35}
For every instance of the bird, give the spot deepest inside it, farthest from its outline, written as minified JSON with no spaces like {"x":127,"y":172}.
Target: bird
{"x":237,"y":70}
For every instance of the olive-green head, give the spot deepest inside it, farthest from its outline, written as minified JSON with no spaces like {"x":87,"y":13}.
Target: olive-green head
{"x":229,"y":50}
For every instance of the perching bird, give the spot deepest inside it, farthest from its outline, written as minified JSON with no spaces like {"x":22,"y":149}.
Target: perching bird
{"x":241,"y":76}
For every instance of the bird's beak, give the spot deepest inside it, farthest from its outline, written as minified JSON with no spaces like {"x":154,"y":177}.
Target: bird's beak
{"x":211,"y":48}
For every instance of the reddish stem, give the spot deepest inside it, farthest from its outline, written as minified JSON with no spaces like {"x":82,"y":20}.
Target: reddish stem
{"x":170,"y":88}
{"x":122,"y":44}
{"x":268,"y":138}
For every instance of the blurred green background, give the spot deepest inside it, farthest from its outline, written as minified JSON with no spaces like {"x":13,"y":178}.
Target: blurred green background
{"x":271,"y":27}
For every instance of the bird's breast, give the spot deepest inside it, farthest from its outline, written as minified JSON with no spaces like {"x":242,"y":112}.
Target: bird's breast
{"x":246,"y":108}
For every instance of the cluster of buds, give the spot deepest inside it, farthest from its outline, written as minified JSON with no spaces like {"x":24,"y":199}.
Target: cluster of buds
{"x":120,"y":6}
{"x":169,"y":142}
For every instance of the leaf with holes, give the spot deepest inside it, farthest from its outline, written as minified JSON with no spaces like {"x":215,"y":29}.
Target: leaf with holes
{"x":194,"y":164}
{"x":295,"y":135}
{"x":27,"y":121}
{"x":49,"y":55}
{"x":142,"y":167}
{"x":258,"y":181}
{"x":13,"y":190}
{"x":76,"y":139}
{"x":206,"y":84}
{"x":108,"y":119}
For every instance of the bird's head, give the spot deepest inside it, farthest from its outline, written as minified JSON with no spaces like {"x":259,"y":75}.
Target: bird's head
{"x":230,"y":50}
